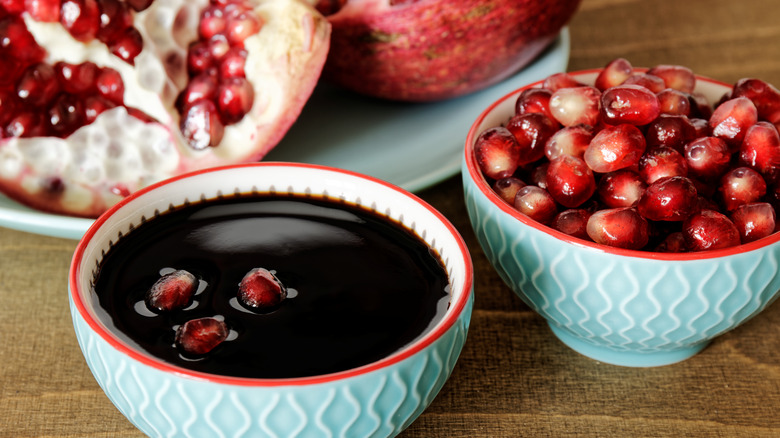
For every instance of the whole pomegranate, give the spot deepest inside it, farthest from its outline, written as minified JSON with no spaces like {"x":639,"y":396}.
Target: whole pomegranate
{"x":101,"y":97}
{"x":425,"y":50}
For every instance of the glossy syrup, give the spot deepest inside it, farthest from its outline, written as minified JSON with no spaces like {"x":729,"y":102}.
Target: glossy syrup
{"x":360,"y":286}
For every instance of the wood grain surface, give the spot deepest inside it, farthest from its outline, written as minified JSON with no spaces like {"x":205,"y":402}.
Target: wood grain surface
{"x":513,"y":379}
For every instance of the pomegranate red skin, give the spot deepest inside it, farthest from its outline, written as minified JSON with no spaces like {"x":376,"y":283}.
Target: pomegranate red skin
{"x":429,"y":50}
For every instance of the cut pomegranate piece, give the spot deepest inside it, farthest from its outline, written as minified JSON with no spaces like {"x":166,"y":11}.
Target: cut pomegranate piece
{"x":619,"y":227}
{"x":615,"y":147}
{"x":260,"y":290}
{"x":570,"y":181}
{"x":614,"y":73}
{"x":741,"y":186}
{"x":662,"y":162}
{"x":536,"y":203}
{"x":198,"y":337}
{"x":172,"y":291}
{"x":575,"y":106}
{"x":507,"y":188}
{"x":672,"y":198}
{"x":532,"y":131}
{"x":121,"y":102}
{"x":573,"y":222}
{"x":754,"y":221}
{"x":709,"y":230}
{"x":629,"y":104}
{"x":497,"y":152}
{"x":621,"y":188}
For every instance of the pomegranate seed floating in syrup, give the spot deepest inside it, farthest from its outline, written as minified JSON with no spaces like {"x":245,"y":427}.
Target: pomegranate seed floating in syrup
{"x":640,"y":160}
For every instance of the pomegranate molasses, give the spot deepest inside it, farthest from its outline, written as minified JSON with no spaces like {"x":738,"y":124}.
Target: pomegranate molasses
{"x":358,"y":286}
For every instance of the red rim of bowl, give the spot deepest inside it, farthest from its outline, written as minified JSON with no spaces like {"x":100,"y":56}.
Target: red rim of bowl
{"x":475,"y":174}
{"x":442,"y":327}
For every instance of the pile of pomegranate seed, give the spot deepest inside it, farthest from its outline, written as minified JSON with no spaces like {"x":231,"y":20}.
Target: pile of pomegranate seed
{"x":639,"y":160}
{"x":260,"y":291}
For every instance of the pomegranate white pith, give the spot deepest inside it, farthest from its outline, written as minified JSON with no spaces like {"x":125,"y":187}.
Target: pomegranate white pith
{"x":91,"y":169}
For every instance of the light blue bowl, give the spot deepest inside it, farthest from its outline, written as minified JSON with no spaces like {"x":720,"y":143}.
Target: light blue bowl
{"x":630,"y":308}
{"x":377,"y":400}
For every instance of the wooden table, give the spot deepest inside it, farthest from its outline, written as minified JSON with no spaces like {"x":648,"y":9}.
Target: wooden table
{"x":513,"y":378}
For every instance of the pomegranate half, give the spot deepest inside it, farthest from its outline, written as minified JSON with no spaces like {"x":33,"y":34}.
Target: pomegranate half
{"x":427,"y":50}
{"x":103,"y":97}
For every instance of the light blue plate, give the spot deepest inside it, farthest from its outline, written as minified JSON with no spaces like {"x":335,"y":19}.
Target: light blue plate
{"x":413,"y":146}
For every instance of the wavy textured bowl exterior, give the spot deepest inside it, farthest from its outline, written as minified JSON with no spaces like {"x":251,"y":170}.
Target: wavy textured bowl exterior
{"x":377,"y":400}
{"x":622,"y":307}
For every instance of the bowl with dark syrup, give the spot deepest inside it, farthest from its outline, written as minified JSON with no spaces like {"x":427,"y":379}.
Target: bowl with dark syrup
{"x":271,"y":299}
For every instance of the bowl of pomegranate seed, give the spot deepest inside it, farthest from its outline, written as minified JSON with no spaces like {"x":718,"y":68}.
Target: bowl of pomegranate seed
{"x":271,"y":299}
{"x":632,"y":208}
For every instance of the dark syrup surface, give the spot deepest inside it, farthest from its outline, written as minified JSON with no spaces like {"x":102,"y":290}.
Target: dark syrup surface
{"x":360,"y":286}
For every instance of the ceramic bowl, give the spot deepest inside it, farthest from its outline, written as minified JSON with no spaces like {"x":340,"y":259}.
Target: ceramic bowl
{"x":623,"y":307}
{"x":376,"y":400}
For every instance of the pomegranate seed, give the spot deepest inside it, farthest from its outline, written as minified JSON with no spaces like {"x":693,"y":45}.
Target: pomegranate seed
{"x":701,"y":127}
{"x":127,"y":45}
{"x":232,"y":64}
{"x":731,"y":119}
{"x":538,"y":176}
{"x":674,"y":102}
{"x":644,"y":80}
{"x":66,"y":115}
{"x":672,"y":198}
{"x":621,"y":188}
{"x":619,"y":227}
{"x":38,"y":85}
{"x":764,"y":96}
{"x":670,"y":131}
{"x":110,"y":86}
{"x":241,"y":27}
{"x":261,"y":290}
{"x":672,"y":243}
{"x":200,"y":87}
{"x":574,"y":106}
{"x":507,"y":188}
{"x":199,"y":58}
{"x":754,"y":221}
{"x":94,"y":106}
{"x":536,"y":203}
{"x":700,"y":106}
{"x":676,"y":77}
{"x":573,"y":222}
{"x":47,"y":11}
{"x":741,"y":186}
{"x":235,"y":97}
{"x":661,"y":162}
{"x":760,"y":150}
{"x":114,"y":18}
{"x":497,"y":153}
{"x":531,"y":131}
{"x":614,"y":74}
{"x":76,"y":79}
{"x":707,"y":157}
{"x":614,"y":148}
{"x":26,"y":124}
{"x":212,"y":22}
{"x":570,"y":140}
{"x":200,"y":125}
{"x":139,"y":5}
{"x":629,"y":104}
{"x":708,"y":230}
{"x":81,"y":18}
{"x":14,"y":7}
{"x":199,"y":336}
{"x":172,"y":291}
{"x":570,"y":181}
{"x":8,"y":107}
{"x":559,"y":81}
{"x":534,"y":100}
{"x":17,"y":42}
{"x":218,"y":46}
